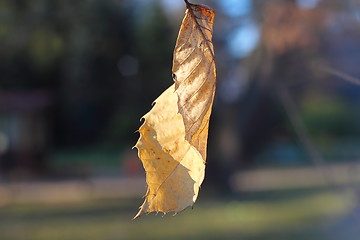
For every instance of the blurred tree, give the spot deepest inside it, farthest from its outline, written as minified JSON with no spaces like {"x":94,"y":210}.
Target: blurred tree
{"x":293,"y":41}
{"x":102,"y":62}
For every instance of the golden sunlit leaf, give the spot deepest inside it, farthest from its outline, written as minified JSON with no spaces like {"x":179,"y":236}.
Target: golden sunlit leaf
{"x":173,"y":137}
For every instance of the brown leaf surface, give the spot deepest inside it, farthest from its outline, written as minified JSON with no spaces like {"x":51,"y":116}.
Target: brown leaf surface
{"x":173,"y":137}
{"x":194,"y":68}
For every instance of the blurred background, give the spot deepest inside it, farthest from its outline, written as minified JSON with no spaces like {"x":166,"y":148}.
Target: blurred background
{"x":283,"y":157}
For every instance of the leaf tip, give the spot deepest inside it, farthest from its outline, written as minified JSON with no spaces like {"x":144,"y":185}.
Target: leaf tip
{"x":139,"y":213}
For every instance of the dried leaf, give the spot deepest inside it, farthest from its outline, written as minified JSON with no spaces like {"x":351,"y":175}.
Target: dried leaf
{"x":194,"y":67}
{"x":173,"y":137}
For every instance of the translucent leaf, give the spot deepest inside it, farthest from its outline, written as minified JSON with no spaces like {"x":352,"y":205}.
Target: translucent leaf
{"x":173,"y":137}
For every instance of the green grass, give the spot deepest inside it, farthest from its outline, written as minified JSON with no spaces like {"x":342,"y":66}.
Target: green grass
{"x":305,"y":216}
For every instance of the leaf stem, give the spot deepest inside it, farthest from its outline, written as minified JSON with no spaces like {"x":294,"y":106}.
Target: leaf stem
{"x":187,"y":3}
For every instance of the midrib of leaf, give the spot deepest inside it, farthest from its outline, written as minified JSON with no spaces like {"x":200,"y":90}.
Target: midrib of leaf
{"x":188,"y":6}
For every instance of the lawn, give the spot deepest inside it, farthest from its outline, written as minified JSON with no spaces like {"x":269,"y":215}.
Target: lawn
{"x":306,"y":215}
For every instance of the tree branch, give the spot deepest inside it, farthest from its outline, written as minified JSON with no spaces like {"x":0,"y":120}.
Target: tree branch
{"x":301,"y":132}
{"x":340,"y":74}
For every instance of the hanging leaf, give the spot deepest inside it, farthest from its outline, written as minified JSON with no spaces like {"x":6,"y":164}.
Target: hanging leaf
{"x":173,"y":137}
